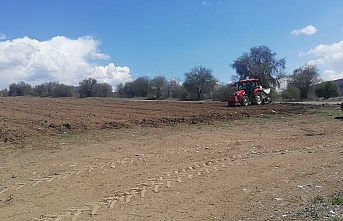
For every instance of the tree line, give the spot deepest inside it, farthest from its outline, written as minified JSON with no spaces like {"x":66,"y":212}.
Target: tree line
{"x":199,"y":84}
{"x":87,"y":88}
{"x":260,"y":62}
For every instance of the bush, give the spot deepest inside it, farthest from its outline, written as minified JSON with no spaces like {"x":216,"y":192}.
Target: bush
{"x":180,"y":93}
{"x":291,"y":93}
{"x":327,"y":89}
{"x":4,"y":93}
{"x":222,"y":92}
{"x":274,"y":96}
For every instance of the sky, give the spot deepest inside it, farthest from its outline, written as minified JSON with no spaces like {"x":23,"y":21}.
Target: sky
{"x":116,"y":41}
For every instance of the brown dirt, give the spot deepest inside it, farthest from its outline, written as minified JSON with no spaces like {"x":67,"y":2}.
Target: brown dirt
{"x":106,"y":159}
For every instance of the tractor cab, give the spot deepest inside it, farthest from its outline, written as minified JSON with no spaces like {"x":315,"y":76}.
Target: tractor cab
{"x":247,"y":85}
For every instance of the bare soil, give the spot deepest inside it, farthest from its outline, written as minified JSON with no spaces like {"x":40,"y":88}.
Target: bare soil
{"x":106,"y":159}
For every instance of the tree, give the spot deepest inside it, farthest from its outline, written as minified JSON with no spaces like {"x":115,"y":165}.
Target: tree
{"x":50,"y":86}
{"x":129,"y":90}
{"x":39,"y":90}
{"x":91,"y":88}
{"x":120,"y":89}
{"x":173,"y":86}
{"x":158,"y":85}
{"x":87,"y":86}
{"x":20,"y":89}
{"x":46,"y":89}
{"x":102,"y":90}
{"x":180,"y":93}
{"x":62,"y":90}
{"x":327,"y":89}
{"x":304,"y":78}
{"x":260,"y":63}
{"x":141,"y":86}
{"x":199,"y":81}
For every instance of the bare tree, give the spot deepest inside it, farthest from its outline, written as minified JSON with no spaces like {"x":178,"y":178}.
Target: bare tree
{"x":260,"y":63}
{"x":157,"y":86}
{"x":199,"y":81}
{"x":173,"y":88}
{"x":304,"y":78}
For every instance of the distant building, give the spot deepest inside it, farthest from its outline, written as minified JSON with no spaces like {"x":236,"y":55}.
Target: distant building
{"x":283,"y":85}
{"x":285,"y":81}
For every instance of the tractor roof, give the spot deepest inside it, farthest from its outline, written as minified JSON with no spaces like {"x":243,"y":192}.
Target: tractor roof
{"x":249,"y":80}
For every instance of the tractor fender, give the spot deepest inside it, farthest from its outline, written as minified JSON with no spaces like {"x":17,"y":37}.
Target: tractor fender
{"x":266,"y":90}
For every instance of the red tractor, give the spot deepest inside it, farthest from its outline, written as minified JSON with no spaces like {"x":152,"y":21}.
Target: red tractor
{"x":249,"y":91}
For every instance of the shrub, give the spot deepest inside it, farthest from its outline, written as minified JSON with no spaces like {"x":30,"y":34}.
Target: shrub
{"x":327,"y":89}
{"x":222,"y":92}
{"x":291,"y":93}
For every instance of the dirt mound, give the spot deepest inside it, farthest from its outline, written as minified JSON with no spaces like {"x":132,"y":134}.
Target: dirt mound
{"x":28,"y":118}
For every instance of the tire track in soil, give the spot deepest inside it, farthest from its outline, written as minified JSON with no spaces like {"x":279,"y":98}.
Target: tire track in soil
{"x":157,"y":184}
{"x":33,"y":182}
{"x":151,"y":185}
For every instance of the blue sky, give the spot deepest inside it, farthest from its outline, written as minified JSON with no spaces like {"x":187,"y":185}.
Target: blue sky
{"x":116,"y":41}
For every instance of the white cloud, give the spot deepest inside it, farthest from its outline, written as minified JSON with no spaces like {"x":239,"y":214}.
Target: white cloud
{"x":2,"y":36}
{"x":332,"y":75}
{"x":112,"y":74}
{"x":58,"y":59}
{"x":308,"y":30}
{"x":330,"y":57}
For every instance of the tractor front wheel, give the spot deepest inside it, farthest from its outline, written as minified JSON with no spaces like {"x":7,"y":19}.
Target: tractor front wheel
{"x":244,"y":101}
{"x":258,"y":98}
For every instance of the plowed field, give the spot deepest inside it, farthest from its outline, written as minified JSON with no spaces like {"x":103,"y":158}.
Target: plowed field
{"x":107,"y":159}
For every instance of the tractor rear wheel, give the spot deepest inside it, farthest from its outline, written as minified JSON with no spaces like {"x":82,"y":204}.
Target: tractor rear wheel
{"x":244,"y":101}
{"x":258,"y":98}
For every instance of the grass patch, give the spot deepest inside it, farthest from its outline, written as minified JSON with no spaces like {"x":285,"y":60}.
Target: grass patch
{"x":318,"y":199}
{"x":337,"y":201}
{"x":321,"y":208}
